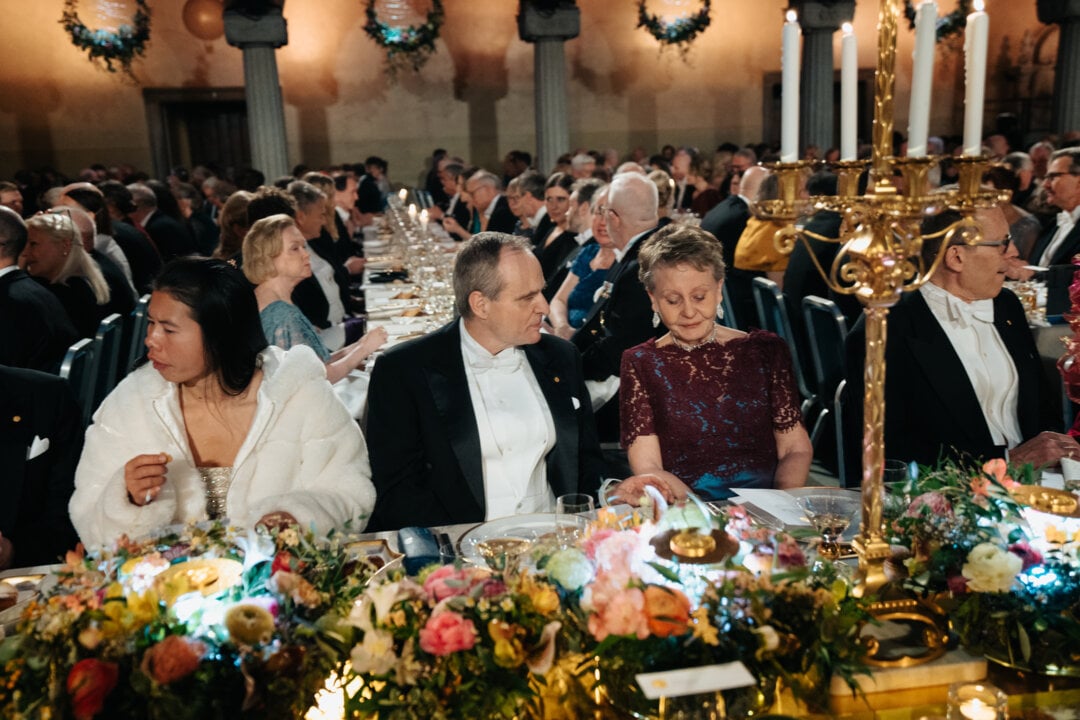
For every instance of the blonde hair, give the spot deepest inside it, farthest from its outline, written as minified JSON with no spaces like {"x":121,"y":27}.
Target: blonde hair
{"x":58,"y":227}
{"x":262,"y":244}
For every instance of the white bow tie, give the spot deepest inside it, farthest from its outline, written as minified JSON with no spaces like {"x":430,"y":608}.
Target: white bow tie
{"x":967,"y":312}
{"x":1064,"y":219}
{"x":504,"y":363}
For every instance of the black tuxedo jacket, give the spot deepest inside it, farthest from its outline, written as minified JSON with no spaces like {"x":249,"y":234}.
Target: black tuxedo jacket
{"x":36,"y":491}
{"x":1064,"y":254}
{"x":423,"y":439}
{"x":553,"y":256}
{"x":726,"y":222}
{"x":35,"y":330}
{"x":618,"y":320}
{"x":502,"y":220}
{"x":141,"y":254}
{"x":325,"y":248}
{"x":171,"y":237}
{"x":931,"y":409}
{"x":1061,"y":273}
{"x":121,"y":295}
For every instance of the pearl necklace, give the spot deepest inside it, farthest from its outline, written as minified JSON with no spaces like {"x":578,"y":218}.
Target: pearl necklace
{"x":686,"y":346}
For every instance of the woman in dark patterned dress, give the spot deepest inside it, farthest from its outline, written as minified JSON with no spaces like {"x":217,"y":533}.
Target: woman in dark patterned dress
{"x":711,"y":407}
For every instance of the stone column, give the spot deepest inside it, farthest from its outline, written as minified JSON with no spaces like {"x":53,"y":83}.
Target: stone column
{"x":1066,"y":13}
{"x":819,"y":19}
{"x":259,"y":36}
{"x":548,"y":29}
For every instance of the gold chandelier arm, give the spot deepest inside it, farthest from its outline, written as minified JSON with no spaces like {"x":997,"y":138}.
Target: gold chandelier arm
{"x":885,"y":83}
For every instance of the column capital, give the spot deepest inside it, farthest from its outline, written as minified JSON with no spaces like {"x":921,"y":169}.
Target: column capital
{"x":823,"y":15}
{"x":1058,"y":11}
{"x":548,"y":20}
{"x":242,"y":30}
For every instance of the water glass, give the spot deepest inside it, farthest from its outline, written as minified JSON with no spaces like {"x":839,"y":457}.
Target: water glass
{"x":573,"y":513}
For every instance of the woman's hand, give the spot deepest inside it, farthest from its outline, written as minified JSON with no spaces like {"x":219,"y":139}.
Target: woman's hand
{"x":453,"y":227}
{"x":371,"y":341}
{"x":278,"y":519}
{"x":144,"y":475}
{"x":632,"y":489}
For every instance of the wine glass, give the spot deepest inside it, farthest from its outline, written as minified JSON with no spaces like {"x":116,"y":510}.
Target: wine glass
{"x":830,"y":513}
{"x":572,"y":513}
{"x":503,"y":554}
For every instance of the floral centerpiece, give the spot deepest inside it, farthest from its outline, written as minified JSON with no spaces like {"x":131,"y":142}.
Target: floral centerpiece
{"x":201,"y":623}
{"x":462,"y":641}
{"x":1006,"y":572}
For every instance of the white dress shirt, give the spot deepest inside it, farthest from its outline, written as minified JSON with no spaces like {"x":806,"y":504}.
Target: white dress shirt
{"x":515,"y":426}
{"x":1066,"y":221}
{"x":334,"y":336}
{"x":537,"y":216}
{"x":970,"y":328}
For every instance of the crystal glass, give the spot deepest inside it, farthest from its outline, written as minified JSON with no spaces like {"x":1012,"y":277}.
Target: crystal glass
{"x":976,"y":701}
{"x":830,"y":513}
{"x":573,"y":513}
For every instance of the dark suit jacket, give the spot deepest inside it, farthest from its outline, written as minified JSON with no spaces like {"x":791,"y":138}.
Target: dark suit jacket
{"x":325,"y":248}
{"x":121,"y":296}
{"x":171,"y":237}
{"x":726,"y":222}
{"x":423,"y":439}
{"x":141,"y":254}
{"x":619,"y":321}
{"x":501,"y":220}
{"x":35,"y":330}
{"x":931,"y":409}
{"x":34,"y":514}
{"x":553,"y":256}
{"x":1061,"y":271}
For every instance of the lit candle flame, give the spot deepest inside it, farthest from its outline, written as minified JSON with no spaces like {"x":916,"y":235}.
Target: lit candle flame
{"x":847,"y":28}
{"x":792,"y":16}
{"x":979,"y":5}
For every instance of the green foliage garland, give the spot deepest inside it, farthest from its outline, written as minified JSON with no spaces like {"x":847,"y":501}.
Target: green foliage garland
{"x":405,"y":46}
{"x":121,"y":46}
{"x":680,"y":32}
{"x":947,"y":26}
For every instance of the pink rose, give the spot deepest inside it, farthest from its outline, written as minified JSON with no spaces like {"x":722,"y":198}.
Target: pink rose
{"x":957,"y":584}
{"x":447,"y":632}
{"x":1028,"y":554}
{"x":790,"y":555}
{"x":591,"y":542}
{"x":446,"y":581}
{"x":615,"y":556}
{"x":931,"y":503}
{"x":624,"y":614}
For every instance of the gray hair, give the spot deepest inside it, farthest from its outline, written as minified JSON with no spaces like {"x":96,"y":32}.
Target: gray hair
{"x":1073,"y":153}
{"x":634,"y":196}
{"x":531,"y":182}
{"x":1018,"y":161}
{"x":579,"y":161}
{"x":476,"y":268}
{"x":142,"y":196}
{"x":305,"y":194}
{"x":58,"y":226}
{"x":487,"y":178}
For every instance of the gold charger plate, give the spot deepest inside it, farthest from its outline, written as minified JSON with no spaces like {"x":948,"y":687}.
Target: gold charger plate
{"x":1048,"y":500}
{"x":208,"y":576}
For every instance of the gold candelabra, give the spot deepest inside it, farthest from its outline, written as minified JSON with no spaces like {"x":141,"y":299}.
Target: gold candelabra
{"x":879,"y":259}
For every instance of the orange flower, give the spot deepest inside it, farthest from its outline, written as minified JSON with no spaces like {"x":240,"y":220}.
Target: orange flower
{"x":667,"y":611}
{"x":172,"y":659}
{"x":999,"y":469}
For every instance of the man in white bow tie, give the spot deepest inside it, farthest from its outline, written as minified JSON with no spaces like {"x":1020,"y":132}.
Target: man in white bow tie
{"x":485,"y":417}
{"x":1057,"y":246}
{"x":963,"y":375}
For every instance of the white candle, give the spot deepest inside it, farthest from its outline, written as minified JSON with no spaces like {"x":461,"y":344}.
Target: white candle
{"x":412,"y":211}
{"x":402,"y":194}
{"x":789,"y":66}
{"x":922,"y":78}
{"x":423,"y":220}
{"x":849,"y":94}
{"x":976,"y":40}
{"x":976,"y":709}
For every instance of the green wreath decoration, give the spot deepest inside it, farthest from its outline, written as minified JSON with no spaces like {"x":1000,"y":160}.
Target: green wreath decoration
{"x":405,"y":46}
{"x":121,"y":46}
{"x":947,"y":26}
{"x":680,"y":32}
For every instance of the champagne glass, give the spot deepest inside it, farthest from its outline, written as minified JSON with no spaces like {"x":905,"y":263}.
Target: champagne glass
{"x":503,"y":554}
{"x":573,"y":513}
{"x":830,"y":513}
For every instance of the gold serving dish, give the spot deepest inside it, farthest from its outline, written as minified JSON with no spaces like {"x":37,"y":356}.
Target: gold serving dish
{"x":207,"y":576}
{"x":1048,"y":500}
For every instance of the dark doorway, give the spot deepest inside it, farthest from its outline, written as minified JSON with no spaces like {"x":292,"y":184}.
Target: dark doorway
{"x":193,"y":126}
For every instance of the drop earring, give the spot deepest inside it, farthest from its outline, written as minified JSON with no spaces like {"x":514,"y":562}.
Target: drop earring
{"x":655,"y":319}
{"x":720,"y":310}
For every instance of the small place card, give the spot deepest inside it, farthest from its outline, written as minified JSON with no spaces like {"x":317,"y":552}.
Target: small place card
{"x":694,"y":681}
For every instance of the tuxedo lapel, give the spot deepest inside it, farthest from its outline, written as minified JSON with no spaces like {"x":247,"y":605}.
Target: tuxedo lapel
{"x":16,"y":435}
{"x":931,"y":350}
{"x":1069,"y":247}
{"x":450,"y":392}
{"x":1015,"y":334}
{"x":562,"y":460}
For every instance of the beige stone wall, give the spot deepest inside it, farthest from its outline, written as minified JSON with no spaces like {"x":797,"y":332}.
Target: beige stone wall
{"x":473,"y":97}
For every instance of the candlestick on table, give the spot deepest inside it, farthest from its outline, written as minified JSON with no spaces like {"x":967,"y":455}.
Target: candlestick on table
{"x":789,"y":100}
{"x":922,"y":78}
{"x":976,"y":40}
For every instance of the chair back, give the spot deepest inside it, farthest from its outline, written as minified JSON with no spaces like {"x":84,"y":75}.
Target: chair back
{"x":727,"y":319}
{"x":826,"y":328}
{"x":109,"y":335}
{"x":136,"y":341}
{"x":79,"y":368}
{"x":772,"y":312}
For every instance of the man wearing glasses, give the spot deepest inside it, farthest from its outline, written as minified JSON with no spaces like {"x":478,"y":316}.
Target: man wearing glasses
{"x":963,"y":376}
{"x":1056,"y":248}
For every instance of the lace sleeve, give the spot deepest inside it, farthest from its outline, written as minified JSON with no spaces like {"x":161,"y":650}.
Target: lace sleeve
{"x":783,"y":391}
{"x":635,"y":405}
{"x":286,"y":329}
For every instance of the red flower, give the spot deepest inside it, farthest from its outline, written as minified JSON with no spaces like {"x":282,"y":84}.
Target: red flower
{"x":172,"y":659}
{"x":667,"y":611}
{"x":282,"y":561}
{"x":89,"y":683}
{"x":957,"y":584}
{"x":1028,"y":554}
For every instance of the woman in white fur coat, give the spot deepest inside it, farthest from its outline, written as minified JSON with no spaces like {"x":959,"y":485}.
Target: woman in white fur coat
{"x":218,"y":424}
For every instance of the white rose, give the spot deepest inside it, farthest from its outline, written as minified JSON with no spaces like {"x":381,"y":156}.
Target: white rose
{"x":770,"y":639}
{"x":375,"y":654}
{"x":990,"y":568}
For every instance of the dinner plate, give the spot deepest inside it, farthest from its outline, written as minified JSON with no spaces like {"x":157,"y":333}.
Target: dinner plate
{"x":529,"y":527}
{"x":31,"y":583}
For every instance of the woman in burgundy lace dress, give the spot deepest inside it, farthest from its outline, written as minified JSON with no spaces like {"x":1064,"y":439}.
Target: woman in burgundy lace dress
{"x":711,"y":407}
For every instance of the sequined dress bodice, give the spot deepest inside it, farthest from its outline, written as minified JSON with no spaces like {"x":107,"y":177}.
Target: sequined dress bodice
{"x":216,"y":482}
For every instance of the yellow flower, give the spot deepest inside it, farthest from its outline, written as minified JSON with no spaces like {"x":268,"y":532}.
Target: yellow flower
{"x":508,"y":650}
{"x":544,"y":598}
{"x":144,"y":607}
{"x":90,"y":637}
{"x":507,"y":604}
{"x":114,"y":591}
{"x":396,"y":618}
{"x":704,"y":630}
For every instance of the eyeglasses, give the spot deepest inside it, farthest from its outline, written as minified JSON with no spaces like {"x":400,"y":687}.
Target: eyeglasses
{"x":1003,"y":243}
{"x":1056,"y":175}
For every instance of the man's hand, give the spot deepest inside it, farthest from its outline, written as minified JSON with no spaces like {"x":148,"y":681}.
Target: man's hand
{"x":1045,"y":450}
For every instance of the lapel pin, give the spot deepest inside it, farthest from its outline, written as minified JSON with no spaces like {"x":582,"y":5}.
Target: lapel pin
{"x":556,"y":378}
{"x":17,"y":418}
